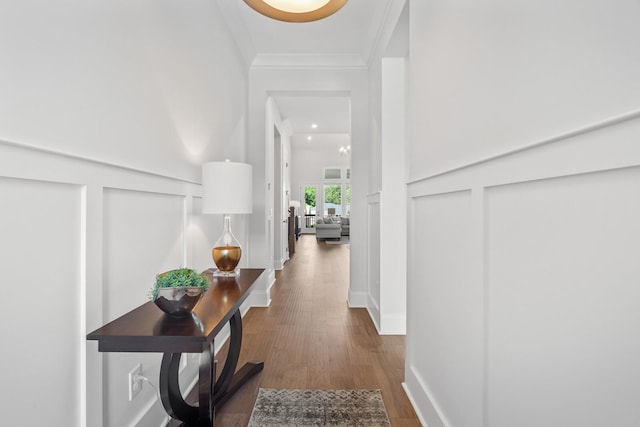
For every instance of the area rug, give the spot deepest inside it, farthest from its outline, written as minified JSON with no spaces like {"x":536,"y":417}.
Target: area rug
{"x":330,"y":408}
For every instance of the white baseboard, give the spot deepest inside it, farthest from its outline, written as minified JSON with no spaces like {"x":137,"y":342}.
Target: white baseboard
{"x":393,"y":324}
{"x":374,"y":315}
{"x":278,"y":264}
{"x":357,"y":299}
{"x":260,"y":298}
{"x":425,"y":407}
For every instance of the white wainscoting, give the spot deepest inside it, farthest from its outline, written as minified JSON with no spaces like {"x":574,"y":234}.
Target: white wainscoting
{"x":143,"y":234}
{"x":84,"y":240}
{"x":40,"y":319}
{"x":523,"y":285}
{"x":373,"y":258}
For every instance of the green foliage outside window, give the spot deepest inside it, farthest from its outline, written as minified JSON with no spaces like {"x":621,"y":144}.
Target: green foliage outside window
{"x":332,"y":194}
{"x":310,"y":196}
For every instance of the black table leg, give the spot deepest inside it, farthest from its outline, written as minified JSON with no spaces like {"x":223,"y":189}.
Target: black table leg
{"x":207,"y":375}
{"x":230,"y":380}
{"x":170,"y":394}
{"x":210,"y":396}
{"x":174,"y":404}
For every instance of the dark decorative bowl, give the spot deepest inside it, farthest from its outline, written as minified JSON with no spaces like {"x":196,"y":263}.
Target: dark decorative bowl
{"x":178,"y":302}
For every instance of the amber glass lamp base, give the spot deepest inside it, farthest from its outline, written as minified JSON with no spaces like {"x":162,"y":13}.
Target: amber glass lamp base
{"x":226,"y":259}
{"x":226,"y":251}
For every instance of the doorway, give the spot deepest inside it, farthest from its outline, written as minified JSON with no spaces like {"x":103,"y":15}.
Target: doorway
{"x":280,"y":203}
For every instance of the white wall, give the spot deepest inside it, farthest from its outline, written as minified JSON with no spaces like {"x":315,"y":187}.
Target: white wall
{"x":493,"y":76}
{"x":393,"y":205}
{"x":106,"y":114}
{"x":388,"y":174}
{"x":522,"y":261}
{"x":128,"y":77}
{"x":309,"y":158}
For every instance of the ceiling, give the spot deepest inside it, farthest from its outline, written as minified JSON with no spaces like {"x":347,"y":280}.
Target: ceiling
{"x":350,"y":33}
{"x":346,"y":38}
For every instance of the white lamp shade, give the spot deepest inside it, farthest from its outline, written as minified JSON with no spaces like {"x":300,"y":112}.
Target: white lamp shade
{"x":227,"y":188}
{"x":294,"y":204}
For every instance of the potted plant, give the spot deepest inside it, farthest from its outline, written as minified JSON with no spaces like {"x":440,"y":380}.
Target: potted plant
{"x":176,"y":292}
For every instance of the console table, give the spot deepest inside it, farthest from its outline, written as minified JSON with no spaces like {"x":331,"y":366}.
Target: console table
{"x":148,"y":329}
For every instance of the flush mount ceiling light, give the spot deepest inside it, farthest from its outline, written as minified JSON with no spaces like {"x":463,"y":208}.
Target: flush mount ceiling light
{"x":296,"y":10}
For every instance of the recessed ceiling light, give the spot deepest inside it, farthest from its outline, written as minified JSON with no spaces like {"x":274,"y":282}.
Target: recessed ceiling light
{"x":314,"y":126}
{"x":308,"y":138}
{"x":295,"y":10}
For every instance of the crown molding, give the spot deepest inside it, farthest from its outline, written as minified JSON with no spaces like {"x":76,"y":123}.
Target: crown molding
{"x":382,"y":36}
{"x":274,"y":61}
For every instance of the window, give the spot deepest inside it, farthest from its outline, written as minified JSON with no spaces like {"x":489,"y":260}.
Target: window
{"x":336,"y":193}
{"x":333,"y":199}
{"x":332,"y":173}
{"x":347,"y":199}
{"x":310,"y":200}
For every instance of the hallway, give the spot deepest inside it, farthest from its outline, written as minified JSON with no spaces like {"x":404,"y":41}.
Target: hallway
{"x":309,"y":338}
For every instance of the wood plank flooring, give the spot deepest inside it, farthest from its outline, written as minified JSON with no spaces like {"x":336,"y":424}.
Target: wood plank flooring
{"x":309,"y":338}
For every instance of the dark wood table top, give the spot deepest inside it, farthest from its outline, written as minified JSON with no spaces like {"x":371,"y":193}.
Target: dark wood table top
{"x":148,"y":329}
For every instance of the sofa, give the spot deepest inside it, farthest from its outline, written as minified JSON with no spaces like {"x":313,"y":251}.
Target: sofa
{"x":332,"y":228}
{"x":328,"y":228}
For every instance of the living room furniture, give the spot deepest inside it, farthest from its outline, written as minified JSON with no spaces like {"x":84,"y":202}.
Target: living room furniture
{"x":148,"y":329}
{"x":345,"y":224}
{"x":328,"y":228}
{"x":293,"y":231}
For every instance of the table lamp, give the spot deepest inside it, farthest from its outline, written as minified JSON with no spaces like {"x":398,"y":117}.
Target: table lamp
{"x":294,"y":204}
{"x":227,"y":190}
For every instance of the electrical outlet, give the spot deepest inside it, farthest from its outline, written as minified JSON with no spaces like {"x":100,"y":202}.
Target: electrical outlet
{"x":135,"y":384}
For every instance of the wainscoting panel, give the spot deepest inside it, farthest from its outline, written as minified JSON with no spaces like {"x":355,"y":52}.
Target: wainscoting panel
{"x":563,"y":318}
{"x":40,"y":319}
{"x":143,"y":235}
{"x":443,"y":305}
{"x":373,"y":259}
{"x":523,"y":285}
{"x":90,"y":236}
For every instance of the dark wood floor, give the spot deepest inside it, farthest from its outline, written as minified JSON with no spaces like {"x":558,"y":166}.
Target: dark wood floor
{"x":309,"y":338}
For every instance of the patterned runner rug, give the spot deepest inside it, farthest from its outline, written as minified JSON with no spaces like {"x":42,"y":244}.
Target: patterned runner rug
{"x":294,"y":408}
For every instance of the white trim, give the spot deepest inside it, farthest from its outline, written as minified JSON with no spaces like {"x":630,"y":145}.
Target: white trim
{"x":374,"y":312}
{"x":357,"y":299}
{"x":420,"y":397}
{"x":393,"y":324}
{"x":308,"y":61}
{"x":566,"y":135}
{"x":385,"y":31}
{"x":608,"y":145}
{"x":61,"y":153}
{"x":278,"y":264}
{"x":374,"y":198}
{"x":144,"y":411}
{"x":262,"y":297}
{"x":82,"y":347}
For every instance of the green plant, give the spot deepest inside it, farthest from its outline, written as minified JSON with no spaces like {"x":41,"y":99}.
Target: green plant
{"x":180,"y":277}
{"x":310,"y":196}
